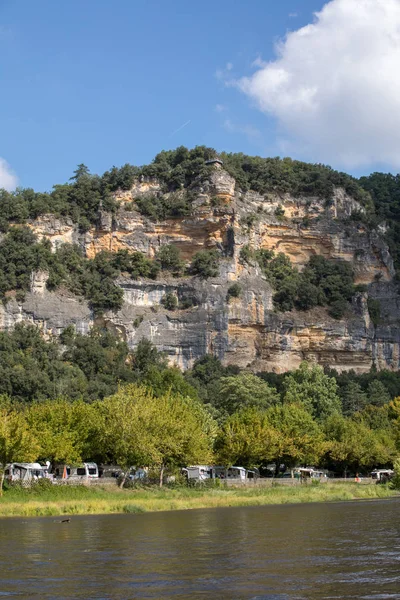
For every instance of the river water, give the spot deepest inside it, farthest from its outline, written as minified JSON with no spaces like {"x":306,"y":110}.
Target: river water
{"x":313,"y":551}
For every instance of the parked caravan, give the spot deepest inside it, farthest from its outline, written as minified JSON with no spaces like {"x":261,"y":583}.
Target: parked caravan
{"x":198,"y":472}
{"x":310,"y":473}
{"x":382,"y":475}
{"x":87,"y":470}
{"x":25,"y":472}
{"x":235,"y":473}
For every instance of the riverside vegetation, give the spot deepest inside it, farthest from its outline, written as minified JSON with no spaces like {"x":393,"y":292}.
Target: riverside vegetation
{"x":74,"y":500}
{"x":165,"y":419}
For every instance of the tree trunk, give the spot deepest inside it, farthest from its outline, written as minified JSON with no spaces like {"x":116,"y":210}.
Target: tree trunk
{"x":121,"y":485}
{"x":277,"y":467}
{"x":161,"y":474}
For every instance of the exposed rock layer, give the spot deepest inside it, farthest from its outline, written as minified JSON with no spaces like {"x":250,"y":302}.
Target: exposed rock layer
{"x":246,"y":330}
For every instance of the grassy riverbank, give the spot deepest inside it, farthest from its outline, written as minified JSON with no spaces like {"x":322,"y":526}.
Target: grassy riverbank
{"x":78,"y":500}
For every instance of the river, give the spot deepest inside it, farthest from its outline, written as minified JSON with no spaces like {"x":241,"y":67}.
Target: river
{"x":309,"y":551}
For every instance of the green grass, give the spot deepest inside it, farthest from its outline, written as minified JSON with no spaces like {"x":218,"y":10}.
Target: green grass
{"x":78,"y":500}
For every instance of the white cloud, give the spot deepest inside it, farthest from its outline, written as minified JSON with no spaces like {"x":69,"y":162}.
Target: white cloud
{"x":293,"y":15}
{"x":8,"y":179}
{"x":335,"y":85}
{"x":259,"y":63}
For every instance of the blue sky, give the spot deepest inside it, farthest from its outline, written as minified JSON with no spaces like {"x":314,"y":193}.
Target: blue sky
{"x":108,"y":83}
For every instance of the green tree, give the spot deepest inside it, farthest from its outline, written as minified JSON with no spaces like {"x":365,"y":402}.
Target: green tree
{"x":354,"y":399}
{"x":247,"y":438}
{"x":317,"y":392}
{"x":205,"y":264}
{"x":206,"y":378}
{"x":396,"y":478}
{"x":81,"y":171}
{"x":160,"y":381}
{"x":65,"y":431}
{"x":377,"y":393}
{"x":147,"y":358}
{"x":169,"y":258}
{"x":17,"y":444}
{"x":139,"y":429}
{"x":169,"y":301}
{"x":234,"y":291}
{"x":245,"y":390}
{"x":352,"y":445}
{"x":300,"y":439}
{"x":375,"y":417}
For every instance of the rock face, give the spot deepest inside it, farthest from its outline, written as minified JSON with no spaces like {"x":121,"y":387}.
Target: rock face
{"x":245,"y":331}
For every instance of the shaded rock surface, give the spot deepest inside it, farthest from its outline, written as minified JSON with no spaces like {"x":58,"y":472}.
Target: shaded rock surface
{"x":245,"y":331}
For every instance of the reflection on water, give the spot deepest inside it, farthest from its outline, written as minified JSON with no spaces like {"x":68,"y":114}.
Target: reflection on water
{"x":266,"y":553}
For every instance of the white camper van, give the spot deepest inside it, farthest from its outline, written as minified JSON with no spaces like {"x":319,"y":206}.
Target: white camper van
{"x":382,"y":475}
{"x":198,"y":472}
{"x":25,"y":472}
{"x":87,"y":470}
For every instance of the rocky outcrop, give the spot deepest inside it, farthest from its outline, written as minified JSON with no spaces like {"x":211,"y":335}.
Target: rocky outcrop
{"x":245,"y":331}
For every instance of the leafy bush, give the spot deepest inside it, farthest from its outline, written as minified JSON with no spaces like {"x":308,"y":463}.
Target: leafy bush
{"x":169,"y":301}
{"x":246,"y":254}
{"x":396,"y":479}
{"x":205,"y":264}
{"x":169,"y":259}
{"x":265,"y":175}
{"x":249,"y":220}
{"x":20,"y":254}
{"x":234,"y":291}
{"x":158,"y":208}
{"x":322,"y":283}
{"x":337,"y":308}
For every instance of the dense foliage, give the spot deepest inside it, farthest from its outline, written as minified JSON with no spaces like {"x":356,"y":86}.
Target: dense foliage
{"x":384,"y":189}
{"x":322,"y":283}
{"x":94,"y":279}
{"x":66,"y":403}
{"x":85,"y":195}
{"x":82,"y":197}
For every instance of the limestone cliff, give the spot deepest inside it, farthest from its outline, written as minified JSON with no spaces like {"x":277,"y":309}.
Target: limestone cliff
{"x":245,"y":331}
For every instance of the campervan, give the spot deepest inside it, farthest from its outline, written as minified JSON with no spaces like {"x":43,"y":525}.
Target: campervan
{"x":310,"y":473}
{"x":25,"y":472}
{"x":87,"y":470}
{"x":229,"y":473}
{"x":198,"y":472}
{"x":382,"y":475}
